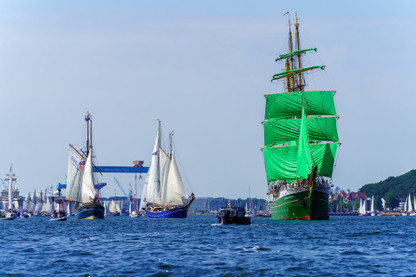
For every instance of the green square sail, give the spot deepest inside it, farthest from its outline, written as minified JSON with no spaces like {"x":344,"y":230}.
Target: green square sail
{"x":283,"y":131}
{"x":288,"y":105}
{"x":281,"y":162}
{"x":304,"y":162}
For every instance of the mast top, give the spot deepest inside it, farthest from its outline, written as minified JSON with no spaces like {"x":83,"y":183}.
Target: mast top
{"x":88,"y":116}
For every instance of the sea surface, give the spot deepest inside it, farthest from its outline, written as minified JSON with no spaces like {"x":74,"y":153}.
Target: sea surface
{"x":198,"y":246}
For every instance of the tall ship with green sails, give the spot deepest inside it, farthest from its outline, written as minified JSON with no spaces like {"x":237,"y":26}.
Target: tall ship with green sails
{"x":301,"y":140}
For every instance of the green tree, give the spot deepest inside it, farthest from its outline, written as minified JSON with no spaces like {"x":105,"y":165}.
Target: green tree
{"x":377,"y":202}
{"x":356,"y":205}
{"x":392,"y":201}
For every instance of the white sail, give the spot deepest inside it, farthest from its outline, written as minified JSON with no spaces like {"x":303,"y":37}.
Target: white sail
{"x":142,"y":204}
{"x":74,"y":175}
{"x":38,"y":202}
{"x":414,"y":201}
{"x":175,"y":188}
{"x":26,"y":202}
{"x":130,"y":207}
{"x":164,"y":165}
{"x":364,"y":206}
{"x":49,"y":200}
{"x":88,"y":190}
{"x":410,"y":209}
{"x":405,"y":205}
{"x":164,"y":184}
{"x":383,"y":203}
{"x":32,"y":203}
{"x":153,"y":192}
{"x":112,"y":207}
{"x":44,"y":207}
{"x":68,"y":208}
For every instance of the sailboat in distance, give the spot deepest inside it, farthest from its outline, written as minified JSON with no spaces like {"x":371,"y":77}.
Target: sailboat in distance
{"x":80,"y":180}
{"x":10,"y":212}
{"x":164,"y":190}
{"x":301,"y":140}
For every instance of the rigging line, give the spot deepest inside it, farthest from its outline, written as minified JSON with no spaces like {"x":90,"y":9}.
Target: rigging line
{"x":183,"y":173}
{"x":336,"y":159}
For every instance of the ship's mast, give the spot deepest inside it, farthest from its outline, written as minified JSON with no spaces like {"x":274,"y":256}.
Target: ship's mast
{"x":170,"y":143}
{"x":88,"y":119}
{"x":291,"y":86}
{"x":90,"y":134}
{"x":10,"y":178}
{"x":294,"y":82}
{"x":300,"y":86}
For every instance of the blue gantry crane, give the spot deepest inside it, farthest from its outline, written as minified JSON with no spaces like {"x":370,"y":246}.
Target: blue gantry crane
{"x":119,"y":185}
{"x":4,"y":184}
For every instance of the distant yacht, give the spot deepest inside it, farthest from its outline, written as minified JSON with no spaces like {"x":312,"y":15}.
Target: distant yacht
{"x":11,"y":212}
{"x":363,"y":207}
{"x":372,"y":206}
{"x":114,"y":209}
{"x":58,"y":213}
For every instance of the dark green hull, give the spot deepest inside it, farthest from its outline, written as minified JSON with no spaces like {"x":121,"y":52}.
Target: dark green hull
{"x":299,"y":206}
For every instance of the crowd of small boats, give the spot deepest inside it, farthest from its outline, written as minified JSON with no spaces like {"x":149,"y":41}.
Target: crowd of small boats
{"x":409,"y":208}
{"x":38,"y":204}
{"x":163,"y":195}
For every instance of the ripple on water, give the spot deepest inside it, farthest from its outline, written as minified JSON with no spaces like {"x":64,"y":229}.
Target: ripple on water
{"x":121,"y":246}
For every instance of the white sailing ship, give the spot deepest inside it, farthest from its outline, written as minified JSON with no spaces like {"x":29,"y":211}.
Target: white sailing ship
{"x":164,"y":190}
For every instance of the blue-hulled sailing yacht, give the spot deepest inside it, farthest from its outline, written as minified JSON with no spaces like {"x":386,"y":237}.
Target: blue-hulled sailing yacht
{"x":164,"y":192}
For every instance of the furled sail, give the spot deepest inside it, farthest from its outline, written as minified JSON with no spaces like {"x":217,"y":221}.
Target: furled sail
{"x":295,"y":71}
{"x":74,"y":175}
{"x":88,"y":190}
{"x":294,"y":53}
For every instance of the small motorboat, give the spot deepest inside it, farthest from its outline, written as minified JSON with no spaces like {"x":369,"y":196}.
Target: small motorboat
{"x":135,"y":214}
{"x":233,"y":215}
{"x":10,"y":215}
{"x":58,"y":216}
{"x":24,"y":215}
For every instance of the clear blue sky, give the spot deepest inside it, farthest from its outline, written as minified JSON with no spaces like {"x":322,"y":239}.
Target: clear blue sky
{"x":202,"y":68}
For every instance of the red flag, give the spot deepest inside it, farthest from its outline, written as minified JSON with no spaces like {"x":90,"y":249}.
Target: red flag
{"x":285,"y":13}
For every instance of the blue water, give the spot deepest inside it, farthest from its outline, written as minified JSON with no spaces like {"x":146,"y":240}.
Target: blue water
{"x":197,"y":246}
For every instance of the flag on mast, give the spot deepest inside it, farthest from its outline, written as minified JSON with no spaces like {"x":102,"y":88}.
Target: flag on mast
{"x":285,"y":13}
